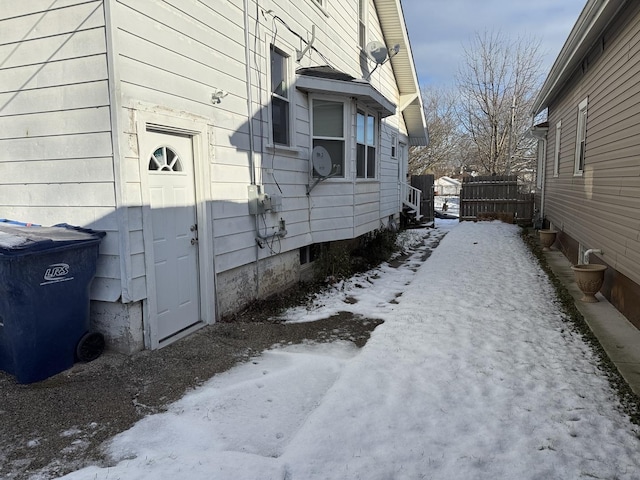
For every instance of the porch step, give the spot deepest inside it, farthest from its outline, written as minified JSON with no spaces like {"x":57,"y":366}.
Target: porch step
{"x":413,"y":214}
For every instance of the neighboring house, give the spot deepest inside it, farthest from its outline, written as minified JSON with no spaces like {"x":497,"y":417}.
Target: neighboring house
{"x":589,"y":173}
{"x":185,"y":129}
{"x":447,"y":186}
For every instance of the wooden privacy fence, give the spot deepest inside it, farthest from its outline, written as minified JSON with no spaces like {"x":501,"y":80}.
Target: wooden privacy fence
{"x":425,"y":184}
{"x":495,"y":196}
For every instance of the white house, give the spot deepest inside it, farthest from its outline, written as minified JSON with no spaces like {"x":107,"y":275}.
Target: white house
{"x":447,"y":186}
{"x":185,"y":130}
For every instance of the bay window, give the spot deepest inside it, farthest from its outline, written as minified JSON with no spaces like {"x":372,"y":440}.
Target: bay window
{"x":365,"y":145}
{"x":328,"y":132}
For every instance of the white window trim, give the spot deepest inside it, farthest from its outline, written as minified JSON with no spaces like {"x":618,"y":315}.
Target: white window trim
{"x":556,"y":151}
{"x":290,"y":76}
{"x":377,"y":128}
{"x":394,"y":146}
{"x":365,"y":22}
{"x":346,"y":138}
{"x":322,"y":6}
{"x":581,"y":130}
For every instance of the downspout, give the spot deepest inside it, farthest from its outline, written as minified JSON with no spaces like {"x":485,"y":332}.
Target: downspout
{"x":585,"y":256}
{"x":541,"y":136}
{"x":252,"y":170}
{"x":119,"y":177}
{"x":543,"y":184}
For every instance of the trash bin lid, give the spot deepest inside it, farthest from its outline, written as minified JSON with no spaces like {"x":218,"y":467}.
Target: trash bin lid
{"x":19,"y":240}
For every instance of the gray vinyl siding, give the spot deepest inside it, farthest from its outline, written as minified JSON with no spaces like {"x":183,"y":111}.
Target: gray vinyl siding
{"x":56,"y":156}
{"x":601,"y":208}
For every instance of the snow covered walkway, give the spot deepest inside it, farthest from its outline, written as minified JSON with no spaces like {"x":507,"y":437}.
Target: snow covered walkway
{"x":473,"y":375}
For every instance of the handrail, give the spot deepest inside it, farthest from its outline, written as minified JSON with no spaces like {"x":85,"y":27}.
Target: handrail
{"x":411,"y":197}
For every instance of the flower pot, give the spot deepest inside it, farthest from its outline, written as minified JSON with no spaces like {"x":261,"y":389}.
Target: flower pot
{"x":589,"y":279}
{"x":547,"y":238}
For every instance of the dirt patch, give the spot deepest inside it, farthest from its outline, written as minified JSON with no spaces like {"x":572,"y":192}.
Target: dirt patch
{"x":57,"y":426}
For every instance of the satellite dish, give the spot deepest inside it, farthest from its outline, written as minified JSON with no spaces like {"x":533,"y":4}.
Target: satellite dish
{"x":377,"y":52}
{"x":321,"y":161}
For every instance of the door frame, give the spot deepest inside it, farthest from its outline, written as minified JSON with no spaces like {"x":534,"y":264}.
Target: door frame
{"x":198,"y":129}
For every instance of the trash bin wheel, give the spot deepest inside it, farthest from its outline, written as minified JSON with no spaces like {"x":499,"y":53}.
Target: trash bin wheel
{"x":90,"y":346}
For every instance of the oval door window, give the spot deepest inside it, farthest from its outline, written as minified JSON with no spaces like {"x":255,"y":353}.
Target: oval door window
{"x":165,"y":160}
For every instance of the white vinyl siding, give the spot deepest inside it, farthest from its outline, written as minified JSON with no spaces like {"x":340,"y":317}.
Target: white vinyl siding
{"x":56,"y":154}
{"x":169,"y":56}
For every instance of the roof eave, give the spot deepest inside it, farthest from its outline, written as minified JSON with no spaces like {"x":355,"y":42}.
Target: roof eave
{"x":395,"y":32}
{"x":361,"y":90}
{"x":593,"y":20}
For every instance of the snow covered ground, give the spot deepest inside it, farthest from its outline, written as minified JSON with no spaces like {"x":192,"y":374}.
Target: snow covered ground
{"x":453,"y":204}
{"x":473,"y":375}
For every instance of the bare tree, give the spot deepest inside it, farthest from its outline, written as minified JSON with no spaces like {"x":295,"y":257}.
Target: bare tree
{"x":497,"y":83}
{"x":442,"y":123}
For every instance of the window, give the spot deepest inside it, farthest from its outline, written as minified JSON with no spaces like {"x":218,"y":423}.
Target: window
{"x":165,"y":159}
{"x":394,"y":146}
{"x":581,"y":137}
{"x":309,"y":253}
{"x":328,"y":132}
{"x":279,"y":97}
{"x":556,"y":151}
{"x":365,"y":145}
{"x":322,"y":5}
{"x":362,"y":23}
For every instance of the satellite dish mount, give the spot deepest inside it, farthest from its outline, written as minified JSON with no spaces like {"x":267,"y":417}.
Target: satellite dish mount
{"x":322,"y":165}
{"x":377,"y":52}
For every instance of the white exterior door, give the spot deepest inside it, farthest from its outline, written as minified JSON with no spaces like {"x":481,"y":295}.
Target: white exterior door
{"x":175,"y":296}
{"x":403,"y":162}
{"x":403,"y":165}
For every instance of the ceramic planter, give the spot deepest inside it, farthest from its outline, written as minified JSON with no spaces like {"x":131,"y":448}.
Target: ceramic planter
{"x":547,"y":238}
{"x":589,"y":279}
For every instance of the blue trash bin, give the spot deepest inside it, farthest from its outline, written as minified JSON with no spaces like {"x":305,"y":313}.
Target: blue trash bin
{"x":15,"y":222}
{"x":45,"y":275}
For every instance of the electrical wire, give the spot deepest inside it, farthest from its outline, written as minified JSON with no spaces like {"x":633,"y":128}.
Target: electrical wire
{"x":276,"y":17}
{"x":272,"y":237}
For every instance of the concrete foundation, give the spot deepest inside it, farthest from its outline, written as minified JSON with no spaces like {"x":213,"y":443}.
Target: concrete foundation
{"x":121,"y":324}
{"x":238,"y":287}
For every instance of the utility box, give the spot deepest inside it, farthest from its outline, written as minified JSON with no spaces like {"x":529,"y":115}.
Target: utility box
{"x":276,"y":203}
{"x":260,"y":202}
{"x":45,"y":275}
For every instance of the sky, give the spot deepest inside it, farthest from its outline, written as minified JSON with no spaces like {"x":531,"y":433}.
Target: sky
{"x":473,"y":374}
{"x":438,"y":30}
